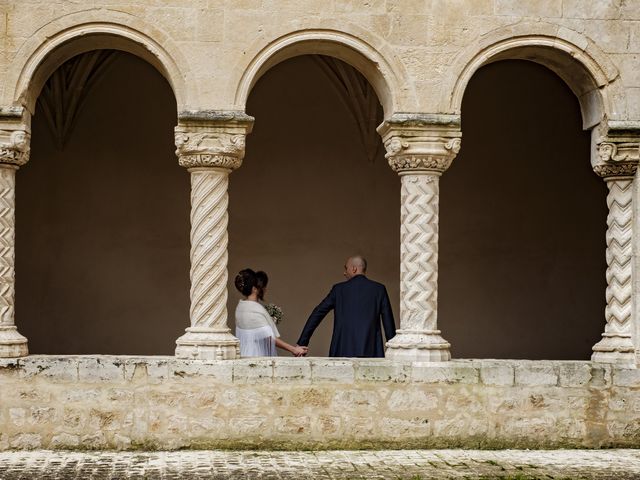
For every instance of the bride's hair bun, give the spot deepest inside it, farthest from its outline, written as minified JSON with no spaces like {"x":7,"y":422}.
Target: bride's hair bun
{"x":245,"y":281}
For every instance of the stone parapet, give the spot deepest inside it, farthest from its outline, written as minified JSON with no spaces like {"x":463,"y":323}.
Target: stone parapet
{"x":97,"y":402}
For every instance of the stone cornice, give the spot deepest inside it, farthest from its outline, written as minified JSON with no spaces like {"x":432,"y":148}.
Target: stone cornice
{"x":407,"y":119}
{"x":11,"y":113}
{"x":216,"y":117}
{"x":416,"y":143}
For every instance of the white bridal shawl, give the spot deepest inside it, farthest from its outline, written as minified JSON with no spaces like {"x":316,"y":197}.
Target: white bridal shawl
{"x":256,"y":330}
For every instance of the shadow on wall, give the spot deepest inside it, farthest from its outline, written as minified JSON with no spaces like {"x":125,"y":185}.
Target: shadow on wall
{"x":102,"y":235}
{"x":522,"y":222}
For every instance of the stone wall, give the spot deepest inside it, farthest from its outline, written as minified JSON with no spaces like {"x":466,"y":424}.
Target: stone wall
{"x":419,"y":55}
{"x":166,"y":403}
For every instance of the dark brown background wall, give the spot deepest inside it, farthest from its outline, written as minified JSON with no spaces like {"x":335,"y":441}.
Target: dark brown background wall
{"x":102,"y":227}
{"x":523,"y":220}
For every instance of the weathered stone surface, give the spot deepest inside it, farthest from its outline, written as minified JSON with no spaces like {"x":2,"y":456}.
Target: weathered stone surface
{"x":253,"y":371}
{"x":292,"y":371}
{"x":329,"y":370}
{"x":532,"y":373}
{"x":497,"y":374}
{"x":626,"y":378}
{"x":461,"y":403}
{"x":574,"y":374}
{"x":64,"y":369}
{"x":26,"y":441}
{"x":434,"y":372}
{"x":98,"y":369}
{"x":382,"y":371}
{"x":65,"y":441}
{"x":410,"y":399}
{"x":187,"y":369}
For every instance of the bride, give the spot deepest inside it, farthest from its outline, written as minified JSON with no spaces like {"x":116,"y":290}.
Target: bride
{"x":255,"y":328}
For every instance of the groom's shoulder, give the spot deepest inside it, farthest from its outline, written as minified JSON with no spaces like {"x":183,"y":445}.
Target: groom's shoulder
{"x":376,"y":285}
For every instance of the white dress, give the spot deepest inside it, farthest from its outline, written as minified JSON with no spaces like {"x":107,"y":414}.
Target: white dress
{"x":255,"y":330}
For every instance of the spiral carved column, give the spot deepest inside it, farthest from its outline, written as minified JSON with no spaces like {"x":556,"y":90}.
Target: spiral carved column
{"x":210,"y":150}
{"x":14,"y":152}
{"x":617,"y":164}
{"x":420,"y":150}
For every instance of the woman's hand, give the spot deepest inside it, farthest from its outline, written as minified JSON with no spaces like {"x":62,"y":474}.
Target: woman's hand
{"x":299,"y":351}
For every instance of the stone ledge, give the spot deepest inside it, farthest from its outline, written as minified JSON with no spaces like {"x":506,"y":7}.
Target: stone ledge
{"x":312,"y":370}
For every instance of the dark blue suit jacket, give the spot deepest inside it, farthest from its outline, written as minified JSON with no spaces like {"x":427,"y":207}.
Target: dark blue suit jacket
{"x":358,"y":305}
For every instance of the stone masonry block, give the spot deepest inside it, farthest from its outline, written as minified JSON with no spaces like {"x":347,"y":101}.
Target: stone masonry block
{"x":444,"y":372}
{"x":215,"y":371}
{"x":382,"y":371}
{"x":330,"y":370}
{"x":497,"y":374}
{"x":603,"y":9}
{"x":293,"y":425}
{"x":65,"y":440}
{"x":574,"y":374}
{"x":253,"y":371}
{"x":26,"y":441}
{"x":405,"y":427}
{"x":100,"y":369}
{"x":410,"y":399}
{"x":255,"y":426}
{"x":295,"y":370}
{"x":528,"y":373}
{"x":9,"y":363}
{"x":540,"y":8}
{"x":135,"y":368}
{"x":9,"y":368}
{"x":626,"y":377}
{"x":55,"y":368}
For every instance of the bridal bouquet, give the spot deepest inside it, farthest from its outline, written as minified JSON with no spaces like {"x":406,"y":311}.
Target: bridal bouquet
{"x":275,"y":312}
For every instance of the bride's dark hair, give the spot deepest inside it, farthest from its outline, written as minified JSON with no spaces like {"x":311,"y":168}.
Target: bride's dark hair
{"x":262,"y":281}
{"x":245,"y":281}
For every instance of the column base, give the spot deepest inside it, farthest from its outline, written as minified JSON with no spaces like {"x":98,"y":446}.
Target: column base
{"x":12,"y":344}
{"x":427,"y":346}
{"x":615,"y":348}
{"x":201,"y":343}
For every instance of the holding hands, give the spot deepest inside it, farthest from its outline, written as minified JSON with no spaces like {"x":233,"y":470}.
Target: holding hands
{"x":299,"y":351}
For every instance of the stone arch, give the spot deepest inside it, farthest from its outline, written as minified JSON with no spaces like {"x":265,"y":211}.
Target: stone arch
{"x":385,"y":74}
{"x":587,"y":71}
{"x":78,"y":33}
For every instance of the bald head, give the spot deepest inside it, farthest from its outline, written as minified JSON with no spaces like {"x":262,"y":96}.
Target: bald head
{"x":356,"y":265}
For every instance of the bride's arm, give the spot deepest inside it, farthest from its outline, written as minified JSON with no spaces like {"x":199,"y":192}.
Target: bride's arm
{"x":297,"y":350}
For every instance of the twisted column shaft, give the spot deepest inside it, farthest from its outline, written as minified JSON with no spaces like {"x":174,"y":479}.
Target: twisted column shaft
{"x":419,"y":252}
{"x":418,"y":337}
{"x":420,"y":148}
{"x":209,"y":219}
{"x":617,"y":345}
{"x":14,"y":152}
{"x":210,"y":145}
{"x":208,"y":337}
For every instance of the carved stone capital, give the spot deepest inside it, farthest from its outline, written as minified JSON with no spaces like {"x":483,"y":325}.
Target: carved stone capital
{"x":417,"y":143}
{"x":14,"y":146}
{"x":212,"y":139}
{"x":617,"y":159}
{"x":618,"y":151}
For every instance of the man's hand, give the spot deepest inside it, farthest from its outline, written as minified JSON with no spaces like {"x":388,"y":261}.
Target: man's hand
{"x":300,"y":351}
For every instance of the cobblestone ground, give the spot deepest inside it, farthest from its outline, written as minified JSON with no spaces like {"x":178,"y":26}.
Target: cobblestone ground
{"x":396,"y":465}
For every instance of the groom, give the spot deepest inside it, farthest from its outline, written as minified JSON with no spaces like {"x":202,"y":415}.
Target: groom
{"x":358,"y":305}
